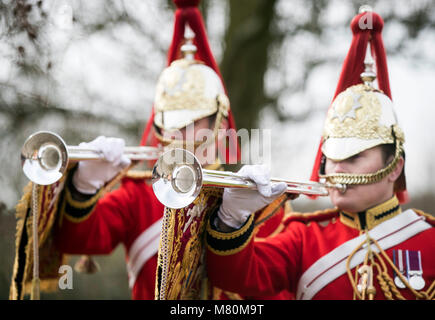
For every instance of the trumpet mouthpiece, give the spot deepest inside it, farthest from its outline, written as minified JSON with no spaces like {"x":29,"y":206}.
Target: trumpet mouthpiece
{"x":341,"y":188}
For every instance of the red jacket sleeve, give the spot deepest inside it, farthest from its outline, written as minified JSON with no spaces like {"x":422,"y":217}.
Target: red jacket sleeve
{"x":98,"y":225}
{"x":238,"y":263}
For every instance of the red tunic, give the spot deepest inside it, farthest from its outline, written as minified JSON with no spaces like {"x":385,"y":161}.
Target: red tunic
{"x":98,"y":226}
{"x":266,"y":226}
{"x":252,"y":268}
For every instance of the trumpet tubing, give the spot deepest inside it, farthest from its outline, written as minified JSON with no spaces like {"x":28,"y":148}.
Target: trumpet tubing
{"x":178,"y":179}
{"x":77,"y":153}
{"x":45,"y":156}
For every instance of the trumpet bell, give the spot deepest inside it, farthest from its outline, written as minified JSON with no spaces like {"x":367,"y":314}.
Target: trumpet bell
{"x":44,"y":157}
{"x":177,"y":178}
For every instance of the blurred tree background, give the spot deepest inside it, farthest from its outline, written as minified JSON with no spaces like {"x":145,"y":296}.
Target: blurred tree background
{"x":88,"y":68}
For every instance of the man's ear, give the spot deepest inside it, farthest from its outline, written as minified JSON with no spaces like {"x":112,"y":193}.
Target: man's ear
{"x":395,"y":174}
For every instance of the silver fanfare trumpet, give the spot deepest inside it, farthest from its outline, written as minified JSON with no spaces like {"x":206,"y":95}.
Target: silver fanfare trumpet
{"x":45,"y":156}
{"x":178,"y":178}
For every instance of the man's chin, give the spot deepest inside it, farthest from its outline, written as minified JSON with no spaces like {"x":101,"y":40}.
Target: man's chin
{"x":345,"y":202}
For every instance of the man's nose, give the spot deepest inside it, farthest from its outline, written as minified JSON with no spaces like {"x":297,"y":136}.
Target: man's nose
{"x":339,"y":167}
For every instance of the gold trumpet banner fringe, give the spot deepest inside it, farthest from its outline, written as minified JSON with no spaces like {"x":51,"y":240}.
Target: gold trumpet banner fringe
{"x":181,"y":270}
{"x":50,"y":258}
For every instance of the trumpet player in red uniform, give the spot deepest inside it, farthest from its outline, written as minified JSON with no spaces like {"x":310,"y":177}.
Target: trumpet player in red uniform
{"x":366,"y":247}
{"x":132,"y":215}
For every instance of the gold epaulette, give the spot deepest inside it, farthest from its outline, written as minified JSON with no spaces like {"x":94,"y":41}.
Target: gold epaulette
{"x":429,"y":218}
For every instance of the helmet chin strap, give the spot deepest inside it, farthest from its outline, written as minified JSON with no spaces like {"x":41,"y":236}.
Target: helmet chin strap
{"x":366,"y":178}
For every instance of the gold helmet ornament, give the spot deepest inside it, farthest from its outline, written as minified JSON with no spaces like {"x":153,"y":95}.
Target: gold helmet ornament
{"x":187,"y":91}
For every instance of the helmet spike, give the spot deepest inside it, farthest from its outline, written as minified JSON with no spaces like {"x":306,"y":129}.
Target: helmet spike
{"x":369,"y":74}
{"x":188,"y":49}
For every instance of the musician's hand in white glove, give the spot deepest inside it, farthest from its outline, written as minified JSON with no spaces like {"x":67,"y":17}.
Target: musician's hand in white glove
{"x":91,"y":175}
{"x":238,"y":204}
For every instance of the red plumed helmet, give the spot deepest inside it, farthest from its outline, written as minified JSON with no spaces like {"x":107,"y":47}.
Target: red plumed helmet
{"x":362,"y":116}
{"x":201,"y":62}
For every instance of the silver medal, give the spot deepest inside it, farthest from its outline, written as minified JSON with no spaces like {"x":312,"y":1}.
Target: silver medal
{"x":417,"y":282}
{"x":399,"y":283}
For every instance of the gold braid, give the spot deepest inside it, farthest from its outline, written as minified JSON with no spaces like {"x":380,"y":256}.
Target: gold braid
{"x":431,"y":295}
{"x":418,"y":295}
{"x":349,"y":273}
{"x":385,"y":281}
{"x":356,"y":274}
{"x":368,"y":256}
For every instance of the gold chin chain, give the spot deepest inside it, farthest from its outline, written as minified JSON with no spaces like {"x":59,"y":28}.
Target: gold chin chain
{"x":365,"y":178}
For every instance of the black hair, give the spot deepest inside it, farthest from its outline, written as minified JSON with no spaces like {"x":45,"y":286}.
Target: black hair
{"x":389,"y":151}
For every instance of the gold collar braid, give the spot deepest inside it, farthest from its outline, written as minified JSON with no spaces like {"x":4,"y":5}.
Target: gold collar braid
{"x":370,"y":218}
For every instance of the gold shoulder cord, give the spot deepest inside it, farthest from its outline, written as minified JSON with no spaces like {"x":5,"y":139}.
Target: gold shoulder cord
{"x":374,"y":260}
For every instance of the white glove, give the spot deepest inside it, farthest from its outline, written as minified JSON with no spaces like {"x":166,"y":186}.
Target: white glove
{"x":91,"y":175}
{"x":238,"y":204}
